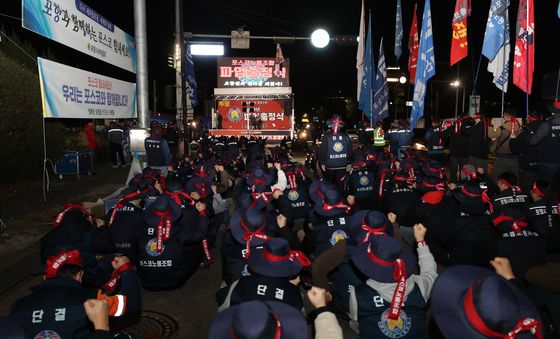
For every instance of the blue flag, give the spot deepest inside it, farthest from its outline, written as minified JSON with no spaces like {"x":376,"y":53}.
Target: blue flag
{"x":496,"y":33}
{"x":398,"y":31}
{"x":366,"y":94}
{"x":426,"y":66}
{"x":381,"y":92}
{"x":190,"y":77}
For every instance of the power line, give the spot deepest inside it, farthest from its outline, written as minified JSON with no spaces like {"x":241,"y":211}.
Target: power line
{"x":10,"y":16}
{"x":246,"y":18}
{"x":19,"y":47}
{"x":258,"y":14}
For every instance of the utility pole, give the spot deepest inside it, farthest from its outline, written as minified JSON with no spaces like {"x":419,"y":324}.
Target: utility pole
{"x":181,"y":41}
{"x":141,"y":61}
{"x":155,"y":97}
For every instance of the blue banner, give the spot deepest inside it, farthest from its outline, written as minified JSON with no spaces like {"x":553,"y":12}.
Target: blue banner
{"x":68,"y":92}
{"x":366,"y":94}
{"x":495,"y":35}
{"x":426,"y":66}
{"x":78,"y":26}
{"x":381,"y":96}
{"x":190,"y":77}
{"x":398,"y":31}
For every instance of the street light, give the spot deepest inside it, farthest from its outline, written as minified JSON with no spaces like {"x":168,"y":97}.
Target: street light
{"x":204,"y":48}
{"x":402,"y":80}
{"x":320,"y":38}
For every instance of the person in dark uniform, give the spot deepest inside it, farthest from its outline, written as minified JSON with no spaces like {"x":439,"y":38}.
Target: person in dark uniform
{"x":510,"y":194}
{"x":473,"y":302}
{"x":332,"y":220}
{"x":473,"y":242}
{"x":157,"y":150}
{"x":403,"y":198}
{"x":458,"y":155}
{"x":115,"y":138}
{"x":125,"y":220}
{"x":274,"y":276}
{"x":518,"y":241}
{"x":172,"y":140}
{"x":162,"y":265}
{"x":527,"y":154}
{"x":56,"y":308}
{"x":361,"y":186}
{"x":547,"y":137}
{"x":294,"y":201}
{"x":364,"y":225}
{"x":434,"y":139}
{"x":335,"y":153}
{"x":75,"y":228}
{"x":543,"y":215}
{"x":393,"y":301}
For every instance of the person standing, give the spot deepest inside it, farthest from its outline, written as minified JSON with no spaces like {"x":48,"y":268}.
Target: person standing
{"x":157,"y":150}
{"x":505,"y":160}
{"x":527,"y":154}
{"x":91,"y":145}
{"x":335,"y":153}
{"x":458,"y":155}
{"x":547,"y":138}
{"x":115,"y":138}
{"x":477,"y":145}
{"x":379,"y":138}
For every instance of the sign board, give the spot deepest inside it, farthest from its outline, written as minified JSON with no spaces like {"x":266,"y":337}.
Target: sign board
{"x":240,"y":40}
{"x":68,"y":92}
{"x":474,"y":105}
{"x":269,"y":134}
{"x":258,"y":114}
{"x":252,"y":72}
{"x":76,"y":25}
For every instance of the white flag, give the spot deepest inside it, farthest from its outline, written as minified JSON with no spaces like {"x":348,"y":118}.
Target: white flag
{"x":499,"y":66}
{"x":360,"y":54}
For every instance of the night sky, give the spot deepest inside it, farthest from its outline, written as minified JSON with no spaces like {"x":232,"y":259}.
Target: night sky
{"x":315,"y":73}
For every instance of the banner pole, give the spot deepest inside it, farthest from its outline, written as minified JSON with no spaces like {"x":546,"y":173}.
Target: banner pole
{"x":527,"y":62}
{"x":45,"y":173}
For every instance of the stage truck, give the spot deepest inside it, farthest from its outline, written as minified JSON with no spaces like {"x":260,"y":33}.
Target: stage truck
{"x":253,"y":98}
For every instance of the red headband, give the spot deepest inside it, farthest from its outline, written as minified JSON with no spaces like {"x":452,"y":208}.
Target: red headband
{"x":292,"y":255}
{"x":112,"y":283}
{"x":54,"y":263}
{"x":68,"y":207}
{"x":399,"y":274}
{"x":516,"y":226}
{"x":120,"y":204}
{"x":327,"y":207}
{"x":176,"y":197}
{"x":163,"y":227}
{"x":538,"y":191}
{"x":249,"y":235}
{"x":523,"y":325}
{"x":484,"y":196}
{"x":372,"y":231}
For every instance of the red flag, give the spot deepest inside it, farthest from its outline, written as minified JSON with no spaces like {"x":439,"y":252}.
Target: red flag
{"x":413,"y":45}
{"x":524,"y":56}
{"x":459,"y":44}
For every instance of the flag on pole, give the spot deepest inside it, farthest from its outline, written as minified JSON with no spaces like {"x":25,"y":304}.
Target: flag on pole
{"x":426,"y":67}
{"x":360,"y":54}
{"x":496,"y":46}
{"x":190,"y":77}
{"x":558,"y":9}
{"x":381,"y":90}
{"x":398,"y":31}
{"x":524,"y":56}
{"x":366,"y":94}
{"x":413,"y":44}
{"x":459,"y":41}
{"x":279,"y":59}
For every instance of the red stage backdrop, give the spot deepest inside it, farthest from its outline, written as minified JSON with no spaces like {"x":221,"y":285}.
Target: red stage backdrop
{"x":236,"y":114}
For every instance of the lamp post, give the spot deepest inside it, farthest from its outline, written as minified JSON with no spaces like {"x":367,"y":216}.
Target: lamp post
{"x":457,"y":84}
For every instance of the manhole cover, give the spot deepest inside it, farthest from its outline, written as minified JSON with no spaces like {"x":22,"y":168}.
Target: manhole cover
{"x":154,"y":325}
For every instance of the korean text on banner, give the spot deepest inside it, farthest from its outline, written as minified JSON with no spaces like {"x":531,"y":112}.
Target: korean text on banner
{"x":76,"y":25}
{"x":68,"y":92}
